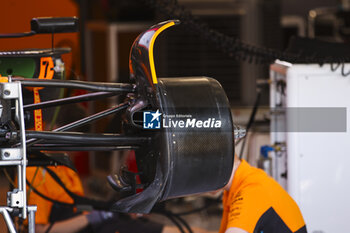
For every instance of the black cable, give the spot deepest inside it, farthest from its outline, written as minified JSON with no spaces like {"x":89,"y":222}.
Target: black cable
{"x":87,"y":138}
{"x":50,"y":227}
{"x":184,"y":223}
{"x":178,"y":221}
{"x":75,"y":84}
{"x":232,"y":46}
{"x":251,"y":121}
{"x":77,"y":200}
{"x":80,"y":200}
{"x":343,"y":71}
{"x":334,"y":68}
{"x":173,"y":220}
{"x":17,"y":35}
{"x":238,"y":141}
{"x":48,"y":198}
{"x":40,"y":159}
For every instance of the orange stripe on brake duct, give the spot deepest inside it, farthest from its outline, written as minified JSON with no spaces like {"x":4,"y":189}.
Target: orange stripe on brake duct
{"x":151,"y":58}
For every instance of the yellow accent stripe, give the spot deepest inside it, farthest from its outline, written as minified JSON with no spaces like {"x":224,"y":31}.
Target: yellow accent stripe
{"x":151,"y":59}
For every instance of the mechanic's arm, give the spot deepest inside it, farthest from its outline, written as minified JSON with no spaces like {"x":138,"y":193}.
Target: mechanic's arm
{"x":71,"y":225}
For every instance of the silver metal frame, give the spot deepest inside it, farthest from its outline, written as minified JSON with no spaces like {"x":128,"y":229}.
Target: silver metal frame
{"x":17,"y":198}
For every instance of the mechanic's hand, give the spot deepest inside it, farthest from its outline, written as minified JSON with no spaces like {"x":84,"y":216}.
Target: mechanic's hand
{"x":96,"y":218}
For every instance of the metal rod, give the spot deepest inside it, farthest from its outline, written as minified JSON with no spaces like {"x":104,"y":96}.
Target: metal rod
{"x":82,"y":148}
{"x":91,"y":86}
{"x":89,"y":138}
{"x":84,"y":121}
{"x":24,"y":151}
{"x":19,"y":177}
{"x":91,"y":118}
{"x":10,"y":163}
{"x":69,"y":100}
{"x":8,"y":220}
{"x":31,"y":222}
{"x":31,"y":219}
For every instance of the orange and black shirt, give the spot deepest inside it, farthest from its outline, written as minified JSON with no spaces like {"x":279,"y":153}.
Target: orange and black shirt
{"x":256,"y":203}
{"x":46,"y":185}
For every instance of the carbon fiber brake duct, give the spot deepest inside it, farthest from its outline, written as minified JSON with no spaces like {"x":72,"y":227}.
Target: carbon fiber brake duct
{"x":194,"y":158}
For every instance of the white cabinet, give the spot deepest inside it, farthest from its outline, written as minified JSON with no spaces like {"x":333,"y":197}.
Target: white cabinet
{"x":315,"y":106}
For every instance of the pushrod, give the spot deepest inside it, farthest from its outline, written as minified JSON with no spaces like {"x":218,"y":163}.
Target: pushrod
{"x":69,"y":100}
{"x":75,"y":84}
{"x":84,"y":121}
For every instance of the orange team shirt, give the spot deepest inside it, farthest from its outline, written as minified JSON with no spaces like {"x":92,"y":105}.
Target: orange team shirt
{"x":45,"y":184}
{"x":256,"y":203}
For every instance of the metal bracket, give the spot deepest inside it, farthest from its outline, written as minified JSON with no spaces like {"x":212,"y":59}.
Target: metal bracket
{"x":239,"y":132}
{"x":9,"y":91}
{"x":11,"y":154}
{"x":15,"y":198}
